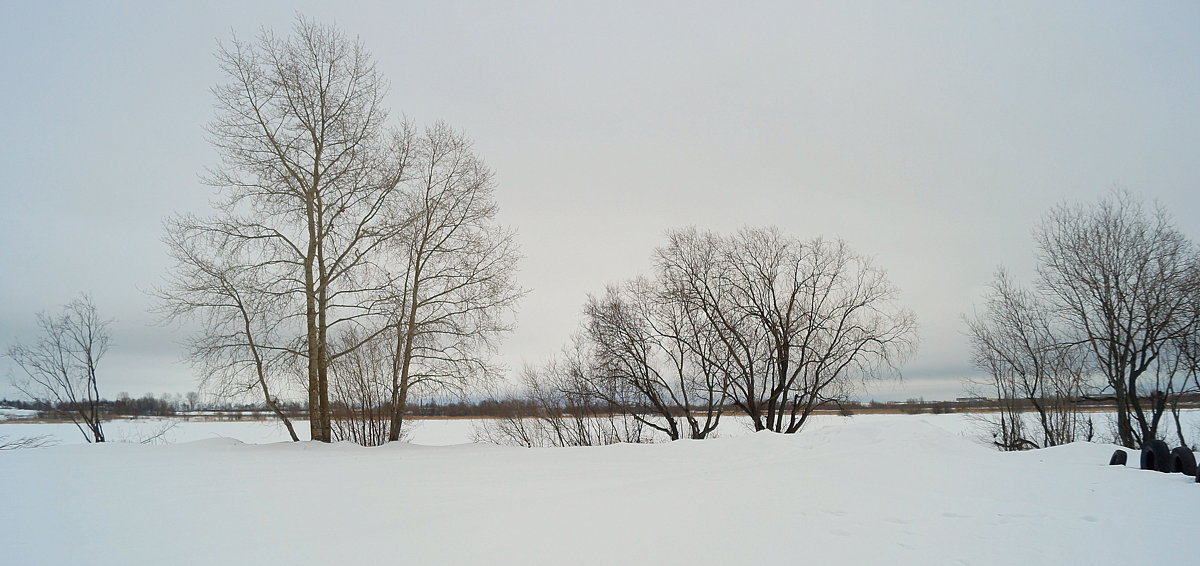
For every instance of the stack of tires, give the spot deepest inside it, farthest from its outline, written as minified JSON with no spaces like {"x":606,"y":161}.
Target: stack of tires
{"x":1156,"y":455}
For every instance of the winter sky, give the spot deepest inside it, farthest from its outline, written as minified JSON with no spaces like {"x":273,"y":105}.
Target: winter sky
{"x":930,"y":136}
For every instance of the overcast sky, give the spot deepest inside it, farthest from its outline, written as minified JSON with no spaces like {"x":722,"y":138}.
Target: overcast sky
{"x":932,"y":137}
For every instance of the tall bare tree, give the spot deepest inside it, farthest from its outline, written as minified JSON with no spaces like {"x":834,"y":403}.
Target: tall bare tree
{"x":455,"y":272}
{"x":800,"y":322}
{"x":1125,"y":279}
{"x":59,"y":368}
{"x":307,"y":178}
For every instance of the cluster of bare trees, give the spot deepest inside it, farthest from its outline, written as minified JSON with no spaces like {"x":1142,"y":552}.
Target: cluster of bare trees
{"x":1115,"y":313}
{"x":348,"y":260}
{"x":770,"y":325}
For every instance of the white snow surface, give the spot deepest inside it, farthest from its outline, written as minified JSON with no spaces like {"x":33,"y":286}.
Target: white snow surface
{"x":862,"y":490}
{"x":431,"y":432}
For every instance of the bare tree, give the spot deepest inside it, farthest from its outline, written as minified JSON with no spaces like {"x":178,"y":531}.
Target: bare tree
{"x":1124,"y":279}
{"x":455,"y":272}
{"x":451,"y":273}
{"x":59,"y":369}
{"x":1031,"y":366}
{"x":348,"y":232}
{"x":799,"y":322}
{"x":307,"y":178}
{"x":654,"y":357}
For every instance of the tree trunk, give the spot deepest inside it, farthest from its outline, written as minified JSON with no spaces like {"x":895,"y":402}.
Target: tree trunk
{"x":410,"y":332}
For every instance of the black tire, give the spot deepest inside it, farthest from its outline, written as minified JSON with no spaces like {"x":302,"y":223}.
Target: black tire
{"x":1156,"y":455}
{"x":1118,"y":458}
{"x":1183,"y":461}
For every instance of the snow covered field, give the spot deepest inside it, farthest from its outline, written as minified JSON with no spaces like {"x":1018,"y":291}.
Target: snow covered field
{"x":428,"y":432}
{"x":864,"y":490}
{"x":445,"y":432}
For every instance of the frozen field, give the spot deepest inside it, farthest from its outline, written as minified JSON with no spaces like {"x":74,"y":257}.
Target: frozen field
{"x":864,"y":490}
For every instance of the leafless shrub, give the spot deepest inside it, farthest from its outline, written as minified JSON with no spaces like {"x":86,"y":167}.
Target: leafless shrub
{"x":566,"y":413}
{"x":799,"y":323}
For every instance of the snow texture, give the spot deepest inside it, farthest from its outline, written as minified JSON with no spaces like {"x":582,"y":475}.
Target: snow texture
{"x":864,"y":490}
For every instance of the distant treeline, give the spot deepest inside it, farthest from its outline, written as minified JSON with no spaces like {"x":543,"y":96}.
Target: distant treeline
{"x":191,"y":405}
{"x":526,"y":408}
{"x":148,"y":405}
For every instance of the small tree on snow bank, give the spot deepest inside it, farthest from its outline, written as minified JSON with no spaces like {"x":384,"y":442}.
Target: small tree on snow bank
{"x":59,"y":369}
